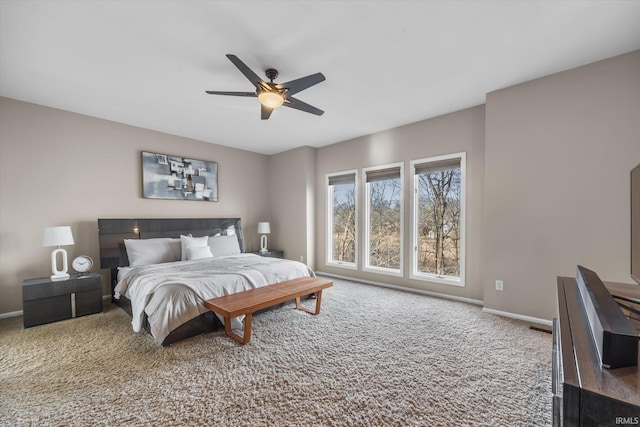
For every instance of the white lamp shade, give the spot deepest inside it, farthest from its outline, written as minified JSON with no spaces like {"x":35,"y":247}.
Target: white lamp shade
{"x":57,"y":236}
{"x":264,"y":228}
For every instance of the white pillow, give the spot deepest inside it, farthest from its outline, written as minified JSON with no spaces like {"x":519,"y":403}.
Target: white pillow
{"x":199,"y":252}
{"x":191,"y":242}
{"x":224,"y":245}
{"x":152,"y":251}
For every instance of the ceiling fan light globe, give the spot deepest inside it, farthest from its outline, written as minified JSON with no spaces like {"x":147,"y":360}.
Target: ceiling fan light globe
{"x":271,"y":99}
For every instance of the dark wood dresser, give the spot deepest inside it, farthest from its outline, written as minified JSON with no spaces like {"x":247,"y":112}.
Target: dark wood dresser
{"x":584,"y":392}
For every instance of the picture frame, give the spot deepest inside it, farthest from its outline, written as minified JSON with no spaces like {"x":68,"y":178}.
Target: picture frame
{"x":166,"y":176}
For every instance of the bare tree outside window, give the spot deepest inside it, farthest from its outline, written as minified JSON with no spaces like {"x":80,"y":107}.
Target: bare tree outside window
{"x":343,"y":226}
{"x":384,"y":223}
{"x":437,"y":230}
{"x":439,"y":210}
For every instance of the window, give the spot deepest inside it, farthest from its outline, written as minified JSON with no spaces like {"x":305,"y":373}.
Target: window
{"x":342,"y":216}
{"x":438,"y":219}
{"x":383,"y":236}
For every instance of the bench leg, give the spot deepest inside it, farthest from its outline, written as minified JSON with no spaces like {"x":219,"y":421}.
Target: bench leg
{"x":247,"y":329}
{"x":318,"y":302}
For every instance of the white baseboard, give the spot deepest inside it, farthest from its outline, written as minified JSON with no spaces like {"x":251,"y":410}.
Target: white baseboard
{"x":529,"y":319}
{"x":404,"y":288}
{"x":10,"y":314}
{"x":518,"y":316}
{"x":19,"y":312}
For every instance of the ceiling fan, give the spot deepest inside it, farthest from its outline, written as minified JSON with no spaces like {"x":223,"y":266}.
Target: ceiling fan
{"x":272,"y":95}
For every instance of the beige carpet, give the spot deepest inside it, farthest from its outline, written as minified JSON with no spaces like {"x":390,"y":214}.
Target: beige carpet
{"x":373,"y":357}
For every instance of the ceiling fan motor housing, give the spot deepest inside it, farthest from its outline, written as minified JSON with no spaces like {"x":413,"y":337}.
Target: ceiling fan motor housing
{"x":271,"y":73}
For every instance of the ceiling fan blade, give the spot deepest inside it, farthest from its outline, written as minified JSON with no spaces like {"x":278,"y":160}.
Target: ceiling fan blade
{"x":297,"y":85}
{"x":217,"y":92}
{"x":248,"y":72}
{"x":292,"y":102}
{"x":265,"y":112}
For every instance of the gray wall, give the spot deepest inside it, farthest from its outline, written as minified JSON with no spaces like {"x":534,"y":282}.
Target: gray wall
{"x":452,"y":133}
{"x":558,"y":155}
{"x":548,"y":184}
{"x":548,"y":166}
{"x":292,"y":197}
{"x":61,"y":168}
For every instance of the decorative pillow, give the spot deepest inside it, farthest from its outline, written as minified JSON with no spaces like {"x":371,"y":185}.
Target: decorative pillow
{"x":224,"y":245}
{"x":199,"y":252}
{"x":191,"y":242}
{"x":152,"y":251}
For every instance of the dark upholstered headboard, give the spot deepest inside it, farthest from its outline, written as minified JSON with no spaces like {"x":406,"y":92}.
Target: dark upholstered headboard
{"x":112,"y":232}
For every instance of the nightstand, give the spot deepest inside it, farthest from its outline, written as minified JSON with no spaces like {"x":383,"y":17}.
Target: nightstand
{"x":271,"y":254}
{"x":46,"y":301}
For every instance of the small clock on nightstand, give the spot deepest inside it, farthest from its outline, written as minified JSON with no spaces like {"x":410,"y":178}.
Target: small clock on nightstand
{"x":82,"y":264}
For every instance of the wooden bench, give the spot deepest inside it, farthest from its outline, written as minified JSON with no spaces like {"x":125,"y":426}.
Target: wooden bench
{"x":247,"y":302}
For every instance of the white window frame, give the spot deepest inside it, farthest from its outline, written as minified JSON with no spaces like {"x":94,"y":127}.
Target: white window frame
{"x":367,"y":228}
{"x":329,"y":232}
{"x":415,"y":274}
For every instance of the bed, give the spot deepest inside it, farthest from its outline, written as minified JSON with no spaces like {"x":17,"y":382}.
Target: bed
{"x":162,"y":269}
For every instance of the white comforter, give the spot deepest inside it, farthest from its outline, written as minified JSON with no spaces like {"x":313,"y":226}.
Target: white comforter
{"x":171,"y":294}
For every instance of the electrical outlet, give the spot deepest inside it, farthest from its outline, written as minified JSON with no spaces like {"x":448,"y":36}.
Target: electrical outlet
{"x":499,"y":285}
{"x":301,"y":258}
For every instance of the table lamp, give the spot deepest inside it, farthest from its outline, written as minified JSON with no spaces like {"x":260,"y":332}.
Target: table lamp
{"x":58,"y":236}
{"x":264,"y":228}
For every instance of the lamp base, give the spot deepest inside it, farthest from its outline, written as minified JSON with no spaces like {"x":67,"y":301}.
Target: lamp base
{"x":57,"y":273}
{"x":263,"y":244}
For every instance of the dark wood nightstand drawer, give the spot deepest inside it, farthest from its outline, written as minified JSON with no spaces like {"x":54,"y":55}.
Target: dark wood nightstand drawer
{"x":271,"y":254}
{"x":46,"y":301}
{"x":45,"y":288}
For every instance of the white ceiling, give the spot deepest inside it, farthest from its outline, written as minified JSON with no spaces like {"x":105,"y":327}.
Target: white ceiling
{"x":387,"y":63}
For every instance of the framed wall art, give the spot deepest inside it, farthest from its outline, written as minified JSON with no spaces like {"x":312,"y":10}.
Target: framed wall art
{"x":173,"y":177}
